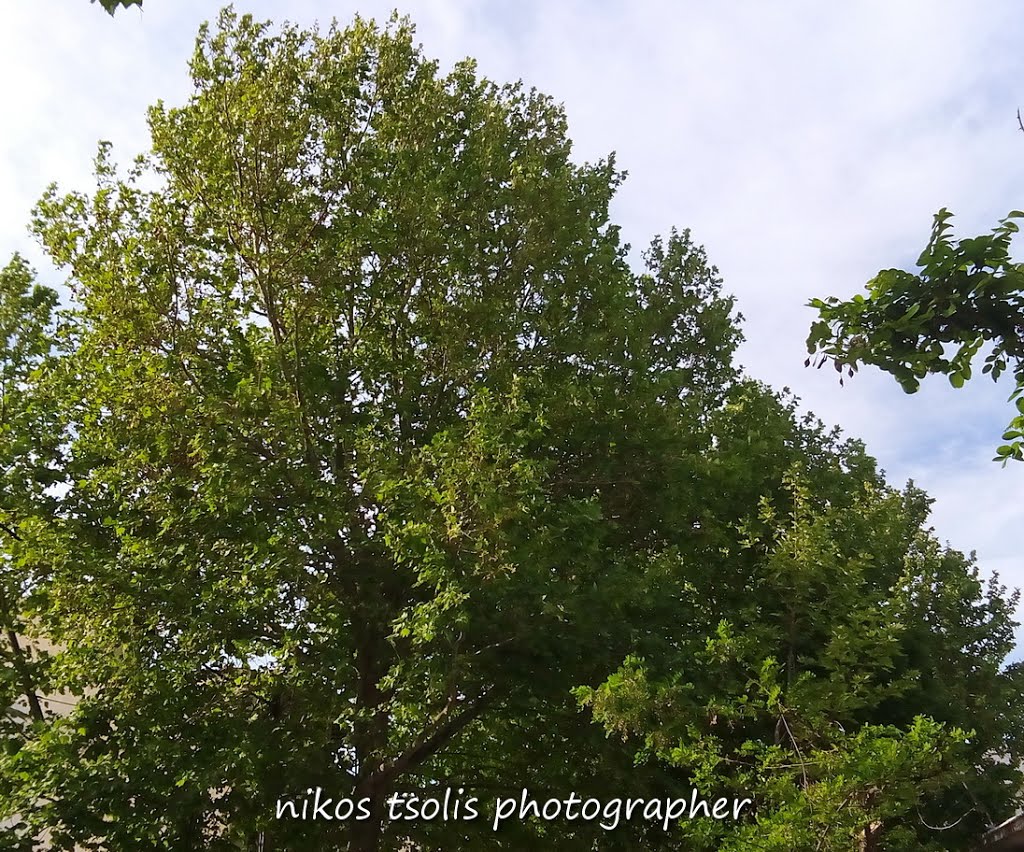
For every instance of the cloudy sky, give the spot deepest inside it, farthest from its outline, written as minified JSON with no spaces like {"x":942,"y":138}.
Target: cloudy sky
{"x":806,"y":144}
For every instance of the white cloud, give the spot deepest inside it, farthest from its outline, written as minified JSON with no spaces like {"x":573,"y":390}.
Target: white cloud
{"x":806,"y":144}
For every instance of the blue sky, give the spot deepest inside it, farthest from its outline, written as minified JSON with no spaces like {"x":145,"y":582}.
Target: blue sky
{"x":806,"y":144}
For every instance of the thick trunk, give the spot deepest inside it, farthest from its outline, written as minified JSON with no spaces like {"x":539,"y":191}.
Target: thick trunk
{"x":371,"y":736}
{"x":367,"y":834}
{"x":872,"y":834}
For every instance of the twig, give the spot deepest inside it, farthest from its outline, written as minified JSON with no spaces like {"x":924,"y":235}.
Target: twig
{"x":800,"y":754}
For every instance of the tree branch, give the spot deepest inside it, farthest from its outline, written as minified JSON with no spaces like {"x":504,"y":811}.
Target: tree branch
{"x":429,"y":745}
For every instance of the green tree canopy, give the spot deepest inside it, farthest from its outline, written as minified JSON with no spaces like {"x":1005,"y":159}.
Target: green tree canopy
{"x":370,"y":432}
{"x":29,"y":464}
{"x":834,"y":663}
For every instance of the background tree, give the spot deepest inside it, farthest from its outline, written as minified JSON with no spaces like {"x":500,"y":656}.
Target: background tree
{"x":29,"y":442}
{"x":835,"y":664}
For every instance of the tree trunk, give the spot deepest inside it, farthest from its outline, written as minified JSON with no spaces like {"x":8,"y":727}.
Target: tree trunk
{"x":367,"y":834}
{"x":872,"y":834}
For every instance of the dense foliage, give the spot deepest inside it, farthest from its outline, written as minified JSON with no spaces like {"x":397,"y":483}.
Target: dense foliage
{"x":361,"y":459}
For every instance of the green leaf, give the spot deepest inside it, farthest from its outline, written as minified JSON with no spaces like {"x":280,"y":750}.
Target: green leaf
{"x":111,"y":6}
